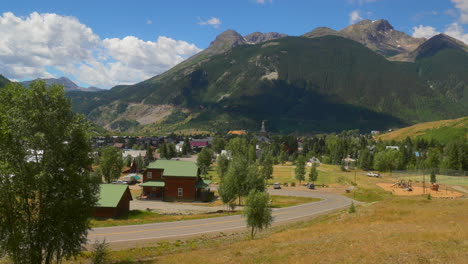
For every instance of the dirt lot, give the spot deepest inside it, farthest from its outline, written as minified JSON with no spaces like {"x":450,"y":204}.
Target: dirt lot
{"x":417,"y":190}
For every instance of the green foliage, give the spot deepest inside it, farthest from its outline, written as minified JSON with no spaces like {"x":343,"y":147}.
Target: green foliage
{"x":299,"y":171}
{"x":365,"y":159}
{"x":100,"y":253}
{"x":47,"y":193}
{"x":241,"y":177}
{"x":313,"y":175}
{"x":267,"y":168}
{"x":110,"y":164}
{"x":352,"y":208}
{"x":258,"y":211}
{"x":433,"y":177}
{"x":204,"y":160}
{"x":218,"y":144}
{"x":223,"y":164}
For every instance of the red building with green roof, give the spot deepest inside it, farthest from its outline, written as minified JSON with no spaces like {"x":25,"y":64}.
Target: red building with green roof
{"x":170,"y":180}
{"x":114,"y":200}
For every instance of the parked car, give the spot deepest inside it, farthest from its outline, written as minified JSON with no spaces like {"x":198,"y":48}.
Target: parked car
{"x":373,"y":174}
{"x":311,"y":186}
{"x":276,"y":185}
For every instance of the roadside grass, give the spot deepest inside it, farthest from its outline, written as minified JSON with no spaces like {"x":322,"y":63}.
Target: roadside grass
{"x":139,"y":217}
{"x":396,"y":230}
{"x":279,"y":201}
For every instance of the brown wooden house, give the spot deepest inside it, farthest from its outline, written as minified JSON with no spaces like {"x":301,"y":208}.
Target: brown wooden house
{"x":114,"y":201}
{"x":172,"y":180}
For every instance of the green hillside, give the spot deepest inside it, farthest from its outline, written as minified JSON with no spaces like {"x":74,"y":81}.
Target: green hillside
{"x":443,"y":130}
{"x":298,"y":84}
{"x":3,"y":81}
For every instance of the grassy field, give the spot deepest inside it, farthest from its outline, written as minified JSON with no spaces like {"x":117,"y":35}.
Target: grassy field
{"x":443,"y":130}
{"x":397,"y":230}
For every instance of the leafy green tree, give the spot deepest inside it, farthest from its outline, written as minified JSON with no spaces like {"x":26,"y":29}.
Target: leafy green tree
{"x":111,"y":164}
{"x":149,"y":154}
{"x":242,"y":176}
{"x":283,"y":157}
{"x":313,"y":175}
{"x":365,"y":159}
{"x":433,"y":177}
{"x":258,"y":211}
{"x":204,"y":160}
{"x":171,"y":151}
{"x":128,"y":161}
{"x":267,"y":168}
{"x":140,"y":162}
{"x":433,"y":159}
{"x":238,"y":146}
{"x":223,"y":164}
{"x":252,"y":153}
{"x":300,"y":169}
{"x":47,"y":193}
{"x":228,"y":191}
{"x":218,"y":144}
{"x":163,"y":151}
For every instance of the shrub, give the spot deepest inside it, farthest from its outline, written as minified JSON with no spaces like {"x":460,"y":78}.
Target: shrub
{"x":352,"y":208}
{"x":100,"y":253}
{"x":293,"y":184}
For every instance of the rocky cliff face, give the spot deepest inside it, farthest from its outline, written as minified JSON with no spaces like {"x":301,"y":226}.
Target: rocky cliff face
{"x":381,"y":37}
{"x":258,"y":37}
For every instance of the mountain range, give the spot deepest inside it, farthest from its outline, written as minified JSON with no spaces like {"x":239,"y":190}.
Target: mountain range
{"x":68,"y":84}
{"x":365,"y":76}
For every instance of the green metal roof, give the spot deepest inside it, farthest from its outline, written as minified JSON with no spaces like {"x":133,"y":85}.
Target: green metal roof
{"x":176,"y":168}
{"x":153,"y":184}
{"x":203,"y":183}
{"x":110,"y":194}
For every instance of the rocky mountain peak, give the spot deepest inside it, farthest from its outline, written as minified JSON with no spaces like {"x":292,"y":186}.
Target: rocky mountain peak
{"x":258,"y":37}
{"x":380,"y":36}
{"x":225,"y":41}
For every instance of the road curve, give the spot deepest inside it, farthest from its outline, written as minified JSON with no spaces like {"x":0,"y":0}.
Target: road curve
{"x":124,"y":235}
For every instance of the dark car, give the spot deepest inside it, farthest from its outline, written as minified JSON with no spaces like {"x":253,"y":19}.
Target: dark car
{"x":311,"y":186}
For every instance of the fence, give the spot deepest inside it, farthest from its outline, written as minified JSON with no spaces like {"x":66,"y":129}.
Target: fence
{"x":449,"y":177}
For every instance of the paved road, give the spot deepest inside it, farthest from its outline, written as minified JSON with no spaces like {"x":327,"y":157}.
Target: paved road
{"x":122,"y":236}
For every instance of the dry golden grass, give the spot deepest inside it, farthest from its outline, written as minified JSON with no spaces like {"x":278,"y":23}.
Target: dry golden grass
{"x":409,"y":230}
{"x":420,"y":129}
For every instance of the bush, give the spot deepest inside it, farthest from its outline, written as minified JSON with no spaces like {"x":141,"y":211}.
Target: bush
{"x":293,"y":184}
{"x":352,"y":208}
{"x":100,"y":253}
{"x":208,"y":197}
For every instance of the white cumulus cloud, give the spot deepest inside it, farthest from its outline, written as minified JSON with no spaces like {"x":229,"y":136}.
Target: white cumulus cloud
{"x":354,"y":16}
{"x":31,"y":46}
{"x":214,"y":21}
{"x":424,"y":32}
{"x":462,"y":5}
{"x":454,"y":30}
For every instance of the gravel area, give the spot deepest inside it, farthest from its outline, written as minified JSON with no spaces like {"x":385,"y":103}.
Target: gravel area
{"x":174,"y":207}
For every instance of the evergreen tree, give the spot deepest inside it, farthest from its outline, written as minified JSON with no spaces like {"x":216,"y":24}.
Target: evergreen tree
{"x":313,"y":175}
{"x":163,"y":151}
{"x":300,"y":169}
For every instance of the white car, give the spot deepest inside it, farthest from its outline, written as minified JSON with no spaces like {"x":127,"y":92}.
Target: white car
{"x":373,"y":174}
{"x":276,"y":185}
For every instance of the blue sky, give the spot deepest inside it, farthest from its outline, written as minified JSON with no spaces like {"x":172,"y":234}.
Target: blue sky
{"x":116,"y":42}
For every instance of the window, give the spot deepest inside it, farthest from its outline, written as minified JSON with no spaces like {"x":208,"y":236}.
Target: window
{"x":149,"y":175}
{"x":180,"y":192}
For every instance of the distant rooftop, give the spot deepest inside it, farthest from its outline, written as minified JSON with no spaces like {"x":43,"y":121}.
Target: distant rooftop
{"x":176,"y":168}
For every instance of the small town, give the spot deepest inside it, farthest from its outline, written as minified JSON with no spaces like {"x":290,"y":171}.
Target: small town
{"x":252,"y":131}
